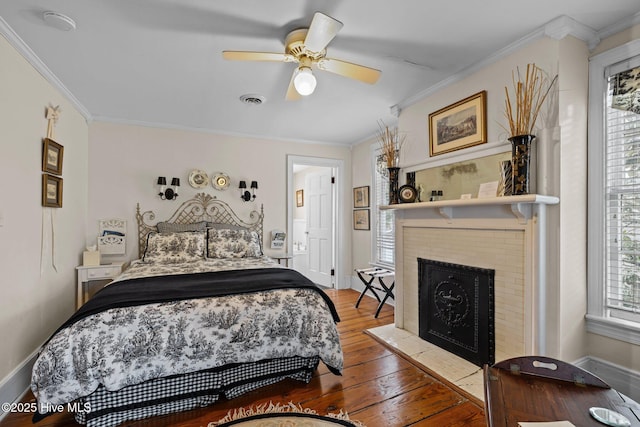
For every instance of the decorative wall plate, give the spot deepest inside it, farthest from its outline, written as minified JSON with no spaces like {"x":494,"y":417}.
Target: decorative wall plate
{"x":198,"y":178}
{"x":220,"y":181}
{"x":407,"y":194}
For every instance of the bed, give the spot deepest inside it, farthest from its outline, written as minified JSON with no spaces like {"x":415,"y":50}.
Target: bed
{"x":202,"y":314}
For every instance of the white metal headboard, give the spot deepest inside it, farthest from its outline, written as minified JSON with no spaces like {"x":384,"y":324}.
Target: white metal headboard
{"x":202,"y":207}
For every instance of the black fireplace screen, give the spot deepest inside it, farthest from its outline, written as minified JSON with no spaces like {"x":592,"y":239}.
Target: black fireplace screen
{"x":456,"y":309}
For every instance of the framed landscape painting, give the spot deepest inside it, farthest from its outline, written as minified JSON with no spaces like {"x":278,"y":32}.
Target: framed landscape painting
{"x":52,"y":157}
{"x":361,"y":197}
{"x":361,"y":219}
{"x":51,"y":191}
{"x":459,"y":125}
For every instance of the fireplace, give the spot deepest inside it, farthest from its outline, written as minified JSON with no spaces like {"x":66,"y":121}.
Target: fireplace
{"x":456,"y":309}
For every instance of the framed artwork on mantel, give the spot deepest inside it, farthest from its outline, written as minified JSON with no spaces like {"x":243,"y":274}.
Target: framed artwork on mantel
{"x":460,"y":125}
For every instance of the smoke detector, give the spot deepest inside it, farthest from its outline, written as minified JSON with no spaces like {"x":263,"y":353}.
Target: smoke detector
{"x":59,"y":21}
{"x":252,"y":99}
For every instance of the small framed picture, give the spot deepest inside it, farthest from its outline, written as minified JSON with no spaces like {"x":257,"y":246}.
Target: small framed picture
{"x":52,"y":157}
{"x":361,"y":197}
{"x":361,"y":219}
{"x":51,"y":191}
{"x":300,"y":198}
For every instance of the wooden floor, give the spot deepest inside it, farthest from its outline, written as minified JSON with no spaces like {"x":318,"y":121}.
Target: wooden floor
{"x":378,"y":387}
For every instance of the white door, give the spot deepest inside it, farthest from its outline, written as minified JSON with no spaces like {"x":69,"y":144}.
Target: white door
{"x":319,"y":210}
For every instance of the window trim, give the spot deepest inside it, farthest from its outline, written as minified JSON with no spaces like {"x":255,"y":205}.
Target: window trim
{"x":375,"y":150}
{"x":596,"y":319}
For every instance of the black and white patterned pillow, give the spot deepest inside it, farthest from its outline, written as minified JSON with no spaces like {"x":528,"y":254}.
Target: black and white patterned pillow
{"x":227,"y":243}
{"x":172,"y":248}
{"x":170,"y":227}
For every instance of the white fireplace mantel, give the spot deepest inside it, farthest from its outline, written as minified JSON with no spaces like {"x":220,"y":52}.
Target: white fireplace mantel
{"x":519,"y":206}
{"x":524,"y":212}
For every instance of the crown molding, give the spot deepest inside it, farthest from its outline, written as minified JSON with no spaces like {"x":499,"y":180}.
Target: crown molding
{"x":620,"y":26}
{"x":557,"y":28}
{"x":18,"y":44}
{"x":564,"y":26}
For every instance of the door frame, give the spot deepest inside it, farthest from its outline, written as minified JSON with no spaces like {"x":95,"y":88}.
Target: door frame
{"x":338,"y":254}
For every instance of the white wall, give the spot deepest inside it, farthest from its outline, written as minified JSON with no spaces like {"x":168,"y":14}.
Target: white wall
{"x":36,"y":298}
{"x":125,"y":162}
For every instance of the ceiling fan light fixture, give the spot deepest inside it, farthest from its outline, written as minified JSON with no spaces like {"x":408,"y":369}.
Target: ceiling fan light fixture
{"x":304,"y":81}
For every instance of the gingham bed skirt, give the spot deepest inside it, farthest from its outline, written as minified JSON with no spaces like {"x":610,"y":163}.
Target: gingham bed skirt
{"x":189,"y":391}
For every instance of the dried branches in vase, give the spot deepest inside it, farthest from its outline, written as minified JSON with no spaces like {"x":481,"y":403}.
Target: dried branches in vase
{"x":528,"y":97}
{"x":390,"y":144}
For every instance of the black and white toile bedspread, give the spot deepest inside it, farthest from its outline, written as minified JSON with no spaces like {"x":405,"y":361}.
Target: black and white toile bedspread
{"x":195,"y":318}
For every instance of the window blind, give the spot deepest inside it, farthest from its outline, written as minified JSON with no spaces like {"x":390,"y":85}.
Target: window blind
{"x":385,"y":225}
{"x":622,"y":190}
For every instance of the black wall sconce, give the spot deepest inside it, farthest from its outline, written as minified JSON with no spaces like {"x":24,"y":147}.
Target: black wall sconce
{"x":246,"y":195}
{"x":171,"y":192}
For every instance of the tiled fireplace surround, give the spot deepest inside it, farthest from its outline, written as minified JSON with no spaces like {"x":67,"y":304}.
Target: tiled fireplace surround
{"x":506,"y":234}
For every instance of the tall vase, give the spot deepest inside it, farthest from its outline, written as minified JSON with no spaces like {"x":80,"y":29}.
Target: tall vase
{"x":393,"y":185}
{"x":521,"y":159}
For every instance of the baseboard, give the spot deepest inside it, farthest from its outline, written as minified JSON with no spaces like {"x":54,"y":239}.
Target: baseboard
{"x":625,"y":380}
{"x":14,"y":386}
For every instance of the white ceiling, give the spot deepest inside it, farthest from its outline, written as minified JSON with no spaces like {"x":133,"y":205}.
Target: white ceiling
{"x":159,"y":62}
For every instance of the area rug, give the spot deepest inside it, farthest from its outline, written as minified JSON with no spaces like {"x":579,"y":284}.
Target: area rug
{"x":287,"y":415}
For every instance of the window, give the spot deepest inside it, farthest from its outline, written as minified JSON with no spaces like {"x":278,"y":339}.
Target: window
{"x":614,"y":194}
{"x":383,"y":236}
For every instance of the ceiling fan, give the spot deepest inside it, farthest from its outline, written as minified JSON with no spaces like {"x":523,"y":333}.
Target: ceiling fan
{"x":307,"y":47}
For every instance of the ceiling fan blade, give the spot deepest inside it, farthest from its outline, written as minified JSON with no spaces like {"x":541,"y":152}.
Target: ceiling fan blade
{"x":292,"y":93}
{"x":347,"y":69}
{"x":322,"y":30}
{"x":234,"y":55}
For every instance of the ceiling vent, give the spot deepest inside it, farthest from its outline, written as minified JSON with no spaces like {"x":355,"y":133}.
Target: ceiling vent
{"x":252,"y":99}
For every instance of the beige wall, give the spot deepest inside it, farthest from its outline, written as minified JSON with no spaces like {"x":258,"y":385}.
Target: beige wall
{"x":125,"y":161}
{"x":36,"y":298}
{"x":561,"y":145}
{"x":361,"y":239}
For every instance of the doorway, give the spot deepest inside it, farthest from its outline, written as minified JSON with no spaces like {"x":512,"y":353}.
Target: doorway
{"x":313,"y":220}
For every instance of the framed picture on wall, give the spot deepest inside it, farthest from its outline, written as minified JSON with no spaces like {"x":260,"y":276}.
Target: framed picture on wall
{"x":300,"y":198}
{"x":460,"y":125}
{"x":361,"y":219}
{"x":52,"y":157}
{"x":51,"y":191}
{"x":361,"y":197}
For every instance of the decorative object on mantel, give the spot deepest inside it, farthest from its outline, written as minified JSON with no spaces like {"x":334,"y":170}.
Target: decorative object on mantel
{"x":505,"y":186}
{"x":459,"y":125}
{"x":528,"y":97}
{"x":390,"y":144}
{"x":408,"y":192}
{"x":170,"y":193}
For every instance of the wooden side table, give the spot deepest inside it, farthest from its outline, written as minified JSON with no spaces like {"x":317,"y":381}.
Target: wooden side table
{"x":94,"y":272}
{"x":542,"y":389}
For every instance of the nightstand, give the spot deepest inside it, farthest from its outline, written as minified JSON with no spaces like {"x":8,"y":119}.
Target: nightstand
{"x":94,"y":272}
